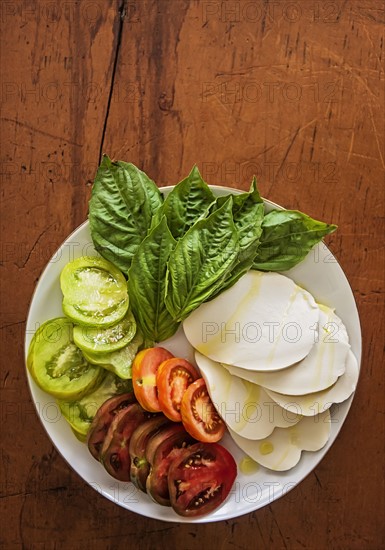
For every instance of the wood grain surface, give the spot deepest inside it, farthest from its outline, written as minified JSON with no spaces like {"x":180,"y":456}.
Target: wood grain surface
{"x":292,"y":91}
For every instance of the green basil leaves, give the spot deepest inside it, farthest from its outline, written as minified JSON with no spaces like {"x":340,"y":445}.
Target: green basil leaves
{"x":287,"y":237}
{"x":147,"y":279}
{"x":121,"y":208}
{"x":188,"y":202}
{"x":201,"y":261}
{"x":182,"y":251}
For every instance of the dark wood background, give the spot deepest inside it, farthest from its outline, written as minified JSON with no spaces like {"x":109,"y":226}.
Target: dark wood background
{"x":292,"y":91}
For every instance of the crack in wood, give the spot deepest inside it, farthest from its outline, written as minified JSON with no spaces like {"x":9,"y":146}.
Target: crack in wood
{"x":25,"y":494}
{"x":33,"y":247}
{"x":121,"y":12}
{"x":318,"y":480}
{"x":12,"y":324}
{"x":277,"y":526}
{"x":38,"y":131}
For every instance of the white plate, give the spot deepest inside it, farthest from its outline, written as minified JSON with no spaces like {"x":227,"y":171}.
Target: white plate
{"x":319,"y":273}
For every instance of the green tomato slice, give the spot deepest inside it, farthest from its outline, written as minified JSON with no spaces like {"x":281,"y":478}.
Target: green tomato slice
{"x":57,"y":365}
{"x":81,"y":437}
{"x":29,"y":361}
{"x":95,"y":292}
{"x":79,"y":414}
{"x":120,"y":361}
{"x":105,"y":340}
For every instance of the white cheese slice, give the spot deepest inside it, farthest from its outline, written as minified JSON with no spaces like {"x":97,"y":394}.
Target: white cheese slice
{"x":317,"y":371}
{"x":264,"y":322}
{"x":245,"y":407}
{"x":314,"y":403}
{"x":282,"y":449}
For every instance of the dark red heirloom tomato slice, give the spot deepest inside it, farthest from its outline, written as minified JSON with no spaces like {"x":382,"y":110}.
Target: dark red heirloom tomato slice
{"x":115,"y":454}
{"x":172,"y":379}
{"x":112,"y":427}
{"x":200,"y":479}
{"x":144,"y":368}
{"x":161,"y":450}
{"x":199,"y":415}
{"x":140,"y":467}
{"x":103,"y":418}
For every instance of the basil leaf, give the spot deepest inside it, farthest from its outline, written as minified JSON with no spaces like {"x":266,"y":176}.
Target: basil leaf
{"x":201,"y":261}
{"x":248,"y":212}
{"x":147,"y":284}
{"x":186,"y":203}
{"x":121,"y":207}
{"x":287,"y":237}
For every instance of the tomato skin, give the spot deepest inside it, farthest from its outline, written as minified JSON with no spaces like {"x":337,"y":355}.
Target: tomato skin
{"x":199,"y":416}
{"x":140,"y":467}
{"x":144,"y":368}
{"x":161,"y":450}
{"x":200,"y":479}
{"x":115,"y":455}
{"x":103,"y":419}
{"x":172,"y":379}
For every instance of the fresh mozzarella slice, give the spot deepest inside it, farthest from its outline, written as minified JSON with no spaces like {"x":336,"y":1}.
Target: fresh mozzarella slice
{"x":317,"y":371}
{"x":264,"y":322}
{"x":245,"y":407}
{"x":314,"y":403}
{"x":282,"y":449}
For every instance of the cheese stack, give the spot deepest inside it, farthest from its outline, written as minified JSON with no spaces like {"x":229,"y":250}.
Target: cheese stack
{"x":274,"y":362}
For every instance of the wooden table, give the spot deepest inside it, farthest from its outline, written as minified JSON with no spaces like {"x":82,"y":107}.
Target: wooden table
{"x":291,"y":91}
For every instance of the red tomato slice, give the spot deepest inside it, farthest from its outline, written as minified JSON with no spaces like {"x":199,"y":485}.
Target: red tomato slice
{"x":199,"y":415}
{"x":144,"y":368}
{"x":161,"y":450}
{"x":200,"y":479}
{"x":102,"y":421}
{"x":115,"y":455}
{"x":172,"y":379}
{"x":140,"y":467}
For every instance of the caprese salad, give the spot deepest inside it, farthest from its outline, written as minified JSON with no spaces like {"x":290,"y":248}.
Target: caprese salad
{"x":269,"y":360}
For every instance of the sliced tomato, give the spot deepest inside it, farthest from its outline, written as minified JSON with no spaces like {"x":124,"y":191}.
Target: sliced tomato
{"x":120,"y":361}
{"x":101,"y":340}
{"x":140,"y":467}
{"x":199,"y":415}
{"x":144,"y":369}
{"x":57,"y":365}
{"x":161,"y":450}
{"x":103,"y":419}
{"x":95,"y":292}
{"x":80,"y":414}
{"x":115,"y":454}
{"x":172,"y":379}
{"x":200,"y":478}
